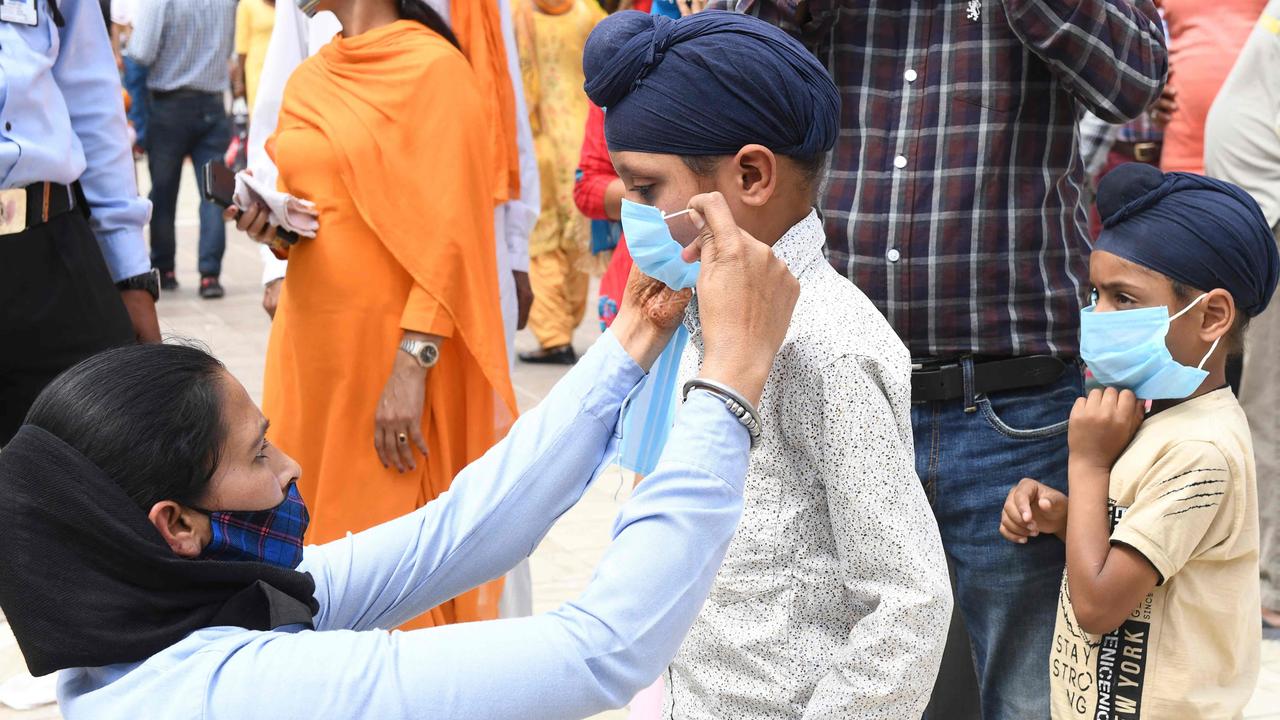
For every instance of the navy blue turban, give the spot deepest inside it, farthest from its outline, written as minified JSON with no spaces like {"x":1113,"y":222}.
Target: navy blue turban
{"x":1202,"y":232}
{"x":708,"y":84}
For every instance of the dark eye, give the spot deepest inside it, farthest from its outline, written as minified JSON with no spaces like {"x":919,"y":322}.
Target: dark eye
{"x":644,"y":191}
{"x":262,"y":451}
{"x":1122,"y":299}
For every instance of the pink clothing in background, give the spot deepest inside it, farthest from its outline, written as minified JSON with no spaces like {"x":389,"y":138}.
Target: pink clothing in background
{"x":1205,"y":36}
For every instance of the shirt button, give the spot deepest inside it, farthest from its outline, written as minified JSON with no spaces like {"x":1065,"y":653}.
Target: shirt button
{"x":910,"y":75}
{"x":893,"y":255}
{"x":900,"y":161}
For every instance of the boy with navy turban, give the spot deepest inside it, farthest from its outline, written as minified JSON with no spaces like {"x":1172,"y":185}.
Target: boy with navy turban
{"x":833,"y":600}
{"x":1161,"y":526}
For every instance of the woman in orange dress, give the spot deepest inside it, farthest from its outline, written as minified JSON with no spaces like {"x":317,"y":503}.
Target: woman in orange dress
{"x":387,"y":370}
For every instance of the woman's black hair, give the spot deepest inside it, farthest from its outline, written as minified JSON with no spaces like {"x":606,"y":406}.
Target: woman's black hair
{"x":149,"y":416}
{"x":422,"y":12}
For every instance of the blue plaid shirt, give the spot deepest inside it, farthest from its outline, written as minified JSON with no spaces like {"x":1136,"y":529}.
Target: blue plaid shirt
{"x":185,"y":44}
{"x":953,"y":198}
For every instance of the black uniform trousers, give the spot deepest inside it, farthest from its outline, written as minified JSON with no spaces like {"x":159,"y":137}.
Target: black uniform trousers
{"x":58,"y":306}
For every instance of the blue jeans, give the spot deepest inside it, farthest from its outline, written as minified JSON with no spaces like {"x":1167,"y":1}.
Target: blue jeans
{"x":969,"y":453}
{"x":181,"y":125}
{"x":135,"y":81}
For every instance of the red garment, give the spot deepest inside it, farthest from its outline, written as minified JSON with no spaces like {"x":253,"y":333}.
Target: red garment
{"x":595,"y":172}
{"x":595,"y":169}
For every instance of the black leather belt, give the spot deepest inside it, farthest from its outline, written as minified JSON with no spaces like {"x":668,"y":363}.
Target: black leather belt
{"x":945,"y":380}
{"x":35,"y":204}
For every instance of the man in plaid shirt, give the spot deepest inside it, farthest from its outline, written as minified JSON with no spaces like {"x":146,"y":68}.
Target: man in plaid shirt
{"x":953,"y":202}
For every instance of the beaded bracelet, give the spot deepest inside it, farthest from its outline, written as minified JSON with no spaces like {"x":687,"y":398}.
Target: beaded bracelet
{"x":733,"y":402}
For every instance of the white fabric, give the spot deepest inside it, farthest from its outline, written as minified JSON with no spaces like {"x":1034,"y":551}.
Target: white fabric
{"x":833,"y":600}
{"x":287,"y":211}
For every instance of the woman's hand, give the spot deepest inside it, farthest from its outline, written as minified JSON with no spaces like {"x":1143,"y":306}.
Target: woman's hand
{"x":745,"y":298}
{"x":254,"y":221}
{"x":649,"y":316}
{"x":398,"y":419}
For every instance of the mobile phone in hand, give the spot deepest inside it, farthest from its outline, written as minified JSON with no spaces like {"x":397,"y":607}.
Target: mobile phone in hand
{"x":220,"y":187}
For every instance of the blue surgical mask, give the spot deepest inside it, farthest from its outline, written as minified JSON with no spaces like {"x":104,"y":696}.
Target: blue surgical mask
{"x":1125,"y":349}
{"x":272,"y":536}
{"x":308,"y":7}
{"x":654,"y":250}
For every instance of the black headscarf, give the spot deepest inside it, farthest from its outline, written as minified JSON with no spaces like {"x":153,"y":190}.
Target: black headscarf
{"x":708,"y":84}
{"x":86,"y":580}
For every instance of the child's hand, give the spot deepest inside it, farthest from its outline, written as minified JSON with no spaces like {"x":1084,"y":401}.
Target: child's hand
{"x":1033,"y":508}
{"x":1101,"y":427}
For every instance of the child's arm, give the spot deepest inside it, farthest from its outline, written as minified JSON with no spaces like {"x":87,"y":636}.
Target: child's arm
{"x":1106,"y":581}
{"x":1031,"y":509}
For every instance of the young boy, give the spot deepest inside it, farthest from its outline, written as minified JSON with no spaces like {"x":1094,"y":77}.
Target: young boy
{"x":833,"y":600}
{"x":1156,"y":611}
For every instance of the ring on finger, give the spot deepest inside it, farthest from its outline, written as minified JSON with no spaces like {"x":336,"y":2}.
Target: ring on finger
{"x":402,"y":438}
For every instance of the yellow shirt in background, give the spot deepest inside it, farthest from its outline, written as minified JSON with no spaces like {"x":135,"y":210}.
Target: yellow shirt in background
{"x":1184,"y":495}
{"x":254,"y":20}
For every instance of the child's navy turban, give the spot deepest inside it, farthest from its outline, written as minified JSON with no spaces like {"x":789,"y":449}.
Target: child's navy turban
{"x":1202,"y":232}
{"x":708,"y":84}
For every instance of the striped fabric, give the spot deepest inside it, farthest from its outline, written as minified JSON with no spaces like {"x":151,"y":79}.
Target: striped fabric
{"x":953,"y":198}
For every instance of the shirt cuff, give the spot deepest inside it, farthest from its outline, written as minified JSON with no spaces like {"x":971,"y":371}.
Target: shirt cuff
{"x":423,"y":314}
{"x":125,"y":252}
{"x":709,"y":437}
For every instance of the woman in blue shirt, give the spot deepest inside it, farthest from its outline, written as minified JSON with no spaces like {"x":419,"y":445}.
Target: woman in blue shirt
{"x":136,"y":555}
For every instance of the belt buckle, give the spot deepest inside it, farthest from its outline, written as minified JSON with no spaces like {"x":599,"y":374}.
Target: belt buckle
{"x":1145,"y":151}
{"x":13,"y":211}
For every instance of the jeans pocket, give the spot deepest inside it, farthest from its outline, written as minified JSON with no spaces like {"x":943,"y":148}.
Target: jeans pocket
{"x":1034,"y":413}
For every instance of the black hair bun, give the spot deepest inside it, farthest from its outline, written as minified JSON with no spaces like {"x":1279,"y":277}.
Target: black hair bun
{"x":1122,"y":187}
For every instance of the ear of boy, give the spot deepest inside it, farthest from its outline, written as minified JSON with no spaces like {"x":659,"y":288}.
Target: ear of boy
{"x":767,"y":195}
{"x":1212,"y":318}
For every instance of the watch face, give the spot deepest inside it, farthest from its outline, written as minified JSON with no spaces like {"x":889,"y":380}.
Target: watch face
{"x":429,"y":354}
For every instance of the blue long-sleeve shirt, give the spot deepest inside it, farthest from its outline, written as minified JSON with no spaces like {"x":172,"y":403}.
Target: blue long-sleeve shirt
{"x":591,"y":654}
{"x":62,"y":120}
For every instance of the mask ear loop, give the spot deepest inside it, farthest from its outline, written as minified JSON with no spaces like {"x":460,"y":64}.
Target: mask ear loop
{"x":1183,"y":311}
{"x":669,"y":217}
{"x":1212,"y":347}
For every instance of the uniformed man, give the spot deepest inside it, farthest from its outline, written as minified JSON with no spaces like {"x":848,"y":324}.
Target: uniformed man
{"x":75,"y":277}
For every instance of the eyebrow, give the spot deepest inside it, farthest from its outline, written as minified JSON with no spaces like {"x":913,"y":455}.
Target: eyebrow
{"x":1118,"y":286}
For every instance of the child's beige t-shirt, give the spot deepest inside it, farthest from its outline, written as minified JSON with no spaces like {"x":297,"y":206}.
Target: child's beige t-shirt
{"x":1184,"y":495}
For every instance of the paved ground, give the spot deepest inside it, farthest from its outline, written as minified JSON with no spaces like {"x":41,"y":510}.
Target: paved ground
{"x":235,"y":329}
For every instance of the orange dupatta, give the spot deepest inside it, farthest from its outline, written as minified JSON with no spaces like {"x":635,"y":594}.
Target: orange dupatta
{"x":478,"y":27}
{"x":400,"y":107}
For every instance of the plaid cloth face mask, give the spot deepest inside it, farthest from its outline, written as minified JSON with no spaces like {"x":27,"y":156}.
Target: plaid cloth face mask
{"x":271,"y":536}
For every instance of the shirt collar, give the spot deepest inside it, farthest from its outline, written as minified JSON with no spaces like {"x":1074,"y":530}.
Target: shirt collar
{"x":800,"y":247}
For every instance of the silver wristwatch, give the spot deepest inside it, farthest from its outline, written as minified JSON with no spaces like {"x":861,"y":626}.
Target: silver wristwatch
{"x":426,"y":352}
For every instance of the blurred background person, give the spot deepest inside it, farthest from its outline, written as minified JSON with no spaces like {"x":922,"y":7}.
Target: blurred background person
{"x":388,"y":327}
{"x":1242,"y":146}
{"x":185,"y":46}
{"x":134,"y":75}
{"x":254,"y":21}
{"x":550,"y":35}
{"x":294,"y":38}
{"x":1204,"y":40}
